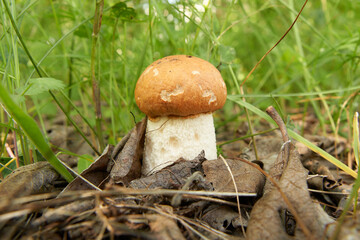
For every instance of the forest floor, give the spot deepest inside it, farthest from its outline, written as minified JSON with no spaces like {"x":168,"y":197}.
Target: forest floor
{"x":282,"y":190}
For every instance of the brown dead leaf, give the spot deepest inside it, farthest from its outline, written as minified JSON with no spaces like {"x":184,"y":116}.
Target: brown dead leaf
{"x":164,"y":228}
{"x":265,"y":220}
{"x":247,"y":178}
{"x":328,"y":144}
{"x":219,"y":217}
{"x":173,"y":176}
{"x":330,"y":181}
{"x":126,"y":165}
{"x":316,"y":164}
{"x":30,"y":179}
{"x":60,"y":214}
{"x":96,"y":173}
{"x":286,"y":198}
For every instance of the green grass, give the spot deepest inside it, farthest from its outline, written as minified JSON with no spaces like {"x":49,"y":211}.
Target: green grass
{"x":318,"y":58}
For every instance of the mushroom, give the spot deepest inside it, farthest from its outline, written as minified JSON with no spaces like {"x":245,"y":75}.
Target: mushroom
{"x":178,"y":94}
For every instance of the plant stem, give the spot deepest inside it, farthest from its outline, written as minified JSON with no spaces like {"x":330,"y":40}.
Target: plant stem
{"x":37,"y":140}
{"x":94,"y":81}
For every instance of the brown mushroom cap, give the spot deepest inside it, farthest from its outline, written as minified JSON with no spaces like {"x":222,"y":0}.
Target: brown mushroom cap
{"x":180,"y":85}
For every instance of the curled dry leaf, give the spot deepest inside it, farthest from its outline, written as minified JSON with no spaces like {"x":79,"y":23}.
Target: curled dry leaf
{"x":122,"y":163}
{"x":60,"y":214}
{"x":247,"y":178}
{"x":330,"y":181}
{"x":287,"y":191}
{"x":328,"y":143}
{"x":173,"y":176}
{"x":330,"y":195}
{"x":126,"y":165}
{"x":221,"y":217}
{"x":316,"y":164}
{"x":26,"y":180}
{"x":265,"y":221}
{"x":96,"y":173}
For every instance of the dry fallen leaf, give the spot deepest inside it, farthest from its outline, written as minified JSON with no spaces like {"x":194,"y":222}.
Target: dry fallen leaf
{"x":96,"y":173}
{"x":220,"y":217}
{"x":265,"y":220}
{"x":247,"y":178}
{"x":127,"y":163}
{"x":30,"y":179}
{"x":173,"y":176}
{"x":164,"y":228}
{"x":60,"y":214}
{"x":286,"y":192}
{"x":121,"y":163}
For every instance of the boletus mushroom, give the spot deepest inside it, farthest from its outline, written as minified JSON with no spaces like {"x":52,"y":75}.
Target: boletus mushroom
{"x":179,"y":94}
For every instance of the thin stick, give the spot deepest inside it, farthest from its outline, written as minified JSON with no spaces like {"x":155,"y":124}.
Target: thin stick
{"x":236,"y":191}
{"x":263,"y":57}
{"x":81,"y":177}
{"x":276,"y":117}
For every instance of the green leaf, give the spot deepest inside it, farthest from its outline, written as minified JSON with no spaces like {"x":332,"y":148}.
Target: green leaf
{"x":84,"y":162}
{"x":18,"y":98}
{"x":37,"y":86}
{"x":123,"y":12}
{"x":32,"y":130}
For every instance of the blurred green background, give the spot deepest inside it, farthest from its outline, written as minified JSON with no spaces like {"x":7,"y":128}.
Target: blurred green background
{"x":314,"y":69}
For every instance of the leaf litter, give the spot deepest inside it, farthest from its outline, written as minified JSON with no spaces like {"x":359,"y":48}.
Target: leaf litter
{"x":288,"y":193}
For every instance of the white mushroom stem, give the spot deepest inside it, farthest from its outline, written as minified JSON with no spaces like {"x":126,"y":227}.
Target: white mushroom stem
{"x":169,"y":138}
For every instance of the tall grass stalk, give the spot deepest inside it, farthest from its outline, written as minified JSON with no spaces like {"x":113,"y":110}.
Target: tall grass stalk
{"x":41,"y":74}
{"x":13,"y":67}
{"x":94,"y":78}
{"x":309,"y":79}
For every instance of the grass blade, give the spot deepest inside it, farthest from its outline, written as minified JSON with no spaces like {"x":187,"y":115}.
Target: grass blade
{"x":37,"y":69}
{"x":33,"y":132}
{"x":95,"y":82}
{"x":297,"y":137}
{"x":356,"y":138}
{"x":356,"y":186}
